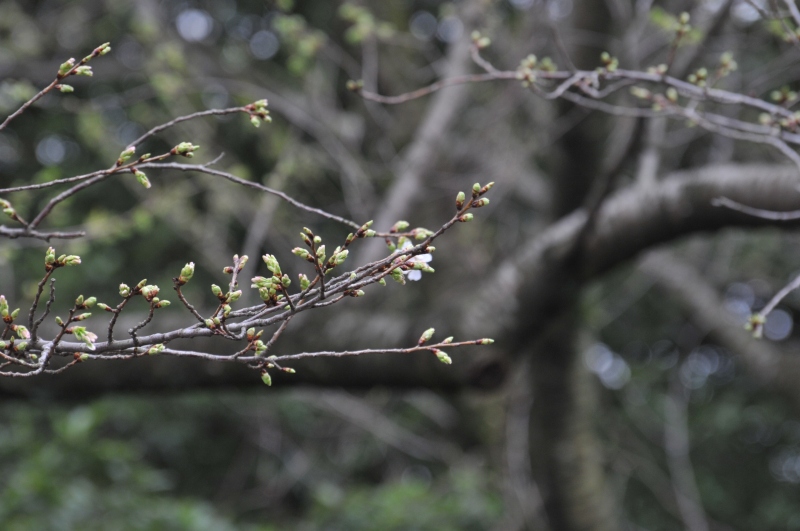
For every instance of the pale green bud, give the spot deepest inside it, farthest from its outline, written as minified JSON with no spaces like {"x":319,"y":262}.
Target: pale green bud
{"x":426,"y":336}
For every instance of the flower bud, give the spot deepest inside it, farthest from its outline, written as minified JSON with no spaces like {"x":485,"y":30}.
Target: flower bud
{"x":72,"y":260}
{"x":155,"y":349}
{"x":149,"y":292}
{"x":426,"y":336}
{"x":84,"y":71}
{"x":125,"y":155}
{"x":59,"y":321}
{"x":460,"y":198}
{"x":216,"y":290}
{"x":400,"y":226}
{"x":466,"y":217}
{"x":83,"y":316}
{"x":186,"y":273}
{"x":185,"y":149}
{"x":65,"y":67}
{"x":65,"y":89}
{"x":84,"y":356}
{"x":299,"y":251}
{"x":21,"y":331}
{"x":286,"y":281}
{"x":142,"y":178}
{"x":266,"y":378}
{"x":162,"y":304}
{"x":255,"y":120}
{"x":124,"y":290}
{"x":480,"y":202}
{"x":234,"y":295}
{"x":304,"y":282}
{"x":251,"y":334}
{"x":443,"y":357}
{"x":486,"y":341}
{"x":448,"y":340}
{"x":382,"y":282}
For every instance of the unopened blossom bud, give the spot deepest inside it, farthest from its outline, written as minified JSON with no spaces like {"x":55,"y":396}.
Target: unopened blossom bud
{"x":82,"y":316}
{"x":340,"y":257}
{"x":234,"y":295}
{"x":448,"y":340}
{"x":186,"y":273}
{"x":272,"y":264}
{"x":125,"y":155}
{"x":304,"y":282}
{"x":21,"y":331}
{"x":382,"y":282}
{"x":251,"y":334}
{"x":65,"y":67}
{"x":72,"y":260}
{"x":266,"y":378}
{"x":84,"y":356}
{"x":286,"y":281}
{"x":480,"y":202}
{"x":142,"y":178}
{"x":400,"y":226}
{"x":50,"y":256}
{"x":255,"y":120}
{"x":162,"y":304}
{"x":185,"y":149}
{"x":21,"y":346}
{"x":460,"y":198}
{"x":65,"y":89}
{"x":216,"y":290}
{"x":476,"y":189}
{"x":302,"y":253}
{"x":466,"y":217}
{"x":486,"y":341}
{"x":156,"y":349}
{"x":148,"y":292}
{"x":124,"y":290}
{"x":209,"y":323}
{"x":59,"y":321}
{"x":443,"y":357}
{"x":426,"y":336}
{"x":84,"y":71}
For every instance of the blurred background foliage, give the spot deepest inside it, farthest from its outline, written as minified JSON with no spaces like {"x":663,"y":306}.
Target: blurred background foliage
{"x":303,"y":459}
